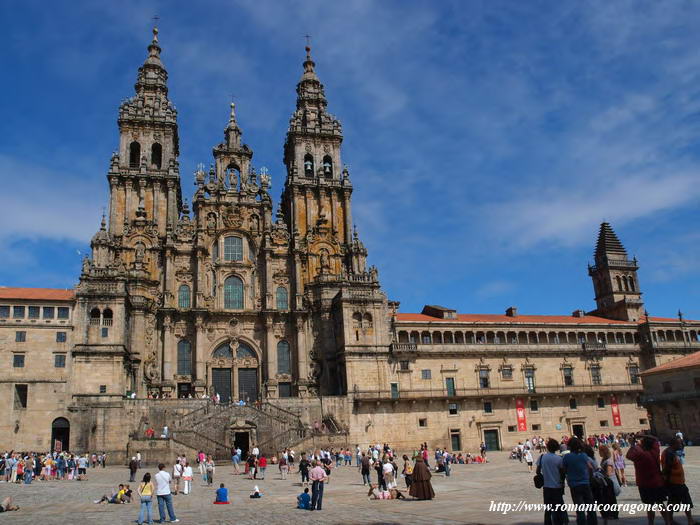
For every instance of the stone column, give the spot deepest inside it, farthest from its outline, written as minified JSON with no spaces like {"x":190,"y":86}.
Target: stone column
{"x":348,"y":216}
{"x":138,"y":348}
{"x":128,"y":190}
{"x":171,"y":204}
{"x":271,"y":357}
{"x":168,"y":349}
{"x":302,"y":358}
{"x":200,"y":367}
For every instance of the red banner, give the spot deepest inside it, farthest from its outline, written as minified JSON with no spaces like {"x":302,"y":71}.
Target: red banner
{"x":520,"y":411}
{"x":617,"y":420}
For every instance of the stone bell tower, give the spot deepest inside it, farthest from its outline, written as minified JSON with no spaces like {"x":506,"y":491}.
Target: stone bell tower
{"x":316,"y":198}
{"x":614,"y":275}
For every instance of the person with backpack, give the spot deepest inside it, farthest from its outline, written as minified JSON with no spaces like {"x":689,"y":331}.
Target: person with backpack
{"x":609,"y":488}
{"x":578,"y":468}
{"x":551,"y":467}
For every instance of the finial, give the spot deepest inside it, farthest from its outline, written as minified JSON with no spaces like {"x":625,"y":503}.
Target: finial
{"x":103,"y":224}
{"x":232,"y":118}
{"x":680,"y":315}
{"x":155,"y":27}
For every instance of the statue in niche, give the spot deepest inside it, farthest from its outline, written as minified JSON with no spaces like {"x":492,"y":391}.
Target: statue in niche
{"x":211,"y":221}
{"x":325,"y":260}
{"x":140,"y":251}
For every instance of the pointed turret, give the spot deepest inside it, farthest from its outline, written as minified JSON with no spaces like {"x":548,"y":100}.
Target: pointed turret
{"x":615,"y":278}
{"x":232,"y":157}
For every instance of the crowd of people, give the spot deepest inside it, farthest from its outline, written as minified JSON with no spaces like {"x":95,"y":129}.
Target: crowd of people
{"x":659,"y":477}
{"x":27,"y":467}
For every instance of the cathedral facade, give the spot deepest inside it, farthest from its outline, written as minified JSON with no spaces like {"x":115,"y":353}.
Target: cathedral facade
{"x":225,"y":298}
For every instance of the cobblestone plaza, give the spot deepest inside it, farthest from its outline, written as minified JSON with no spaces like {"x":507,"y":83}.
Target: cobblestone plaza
{"x":462,"y":498}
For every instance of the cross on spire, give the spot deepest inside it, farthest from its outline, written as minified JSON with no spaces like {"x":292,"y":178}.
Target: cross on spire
{"x":308,"y":40}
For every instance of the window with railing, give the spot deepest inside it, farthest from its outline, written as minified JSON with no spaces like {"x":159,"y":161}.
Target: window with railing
{"x":529,"y":374}
{"x":634,"y":374}
{"x":568,"y":375}
{"x":596,"y":378}
{"x":506,"y":373}
{"x":450,"y":386}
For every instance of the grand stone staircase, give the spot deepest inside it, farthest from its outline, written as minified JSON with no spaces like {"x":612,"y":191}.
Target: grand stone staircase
{"x":209,"y":428}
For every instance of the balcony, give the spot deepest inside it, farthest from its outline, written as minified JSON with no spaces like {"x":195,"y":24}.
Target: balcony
{"x":403,"y":347}
{"x":467,"y":393}
{"x":594,"y":348}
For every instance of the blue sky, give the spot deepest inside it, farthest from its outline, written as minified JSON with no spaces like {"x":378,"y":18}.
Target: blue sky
{"x":486,"y":139}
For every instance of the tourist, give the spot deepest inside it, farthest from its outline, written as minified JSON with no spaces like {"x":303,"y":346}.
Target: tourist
{"x":644,"y":453}
{"x":619,"y":462}
{"x":221,"y":496}
{"x":7,"y":506}
{"x":607,"y":493}
{"x":138,"y":459}
{"x":210,"y":468}
{"x":578,"y":468}
{"x":304,"y":466}
{"x":407,"y":471}
{"x":318,"y":476}
{"x":256,"y":493}
{"x":236,"y":459}
{"x":421,"y":488}
{"x":550,"y":466}
{"x":201,"y":460}
{"x":284,"y":468}
{"x":187,"y":476}
{"x":674,"y":479}
{"x":177,"y":475}
{"x":388,"y":474}
{"x":256,"y":451}
{"x":262,"y":466}
{"x":528,"y":458}
{"x":82,"y":467}
{"x":116,"y":497}
{"x":165,"y":498}
{"x":251,"y":464}
{"x":304,"y":500}
{"x":364,"y":469}
{"x":133,"y":466}
{"x":145,"y":492}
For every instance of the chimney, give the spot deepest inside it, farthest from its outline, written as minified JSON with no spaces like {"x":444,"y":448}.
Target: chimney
{"x":512,"y":311}
{"x":578,"y":313}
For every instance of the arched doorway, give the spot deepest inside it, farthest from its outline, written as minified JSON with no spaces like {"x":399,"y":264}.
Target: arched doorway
{"x":60,"y":434}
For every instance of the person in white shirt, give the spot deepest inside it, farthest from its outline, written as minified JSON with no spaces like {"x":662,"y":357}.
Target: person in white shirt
{"x":187,"y":475}
{"x":256,"y":451}
{"x":177,"y":475}
{"x":388,"y":473}
{"x":528,"y":458}
{"x":138,"y":459}
{"x":165,"y":498}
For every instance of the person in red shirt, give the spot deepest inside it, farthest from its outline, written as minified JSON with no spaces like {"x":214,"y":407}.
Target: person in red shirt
{"x":644,"y":453}
{"x":262,"y":465}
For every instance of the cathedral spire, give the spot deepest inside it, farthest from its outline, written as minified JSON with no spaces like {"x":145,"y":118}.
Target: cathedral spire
{"x":152,"y":75}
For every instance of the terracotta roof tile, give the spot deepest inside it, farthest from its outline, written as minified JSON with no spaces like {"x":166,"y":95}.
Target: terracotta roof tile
{"x":37,"y":294}
{"x":688,"y":361}
{"x":519,"y":319}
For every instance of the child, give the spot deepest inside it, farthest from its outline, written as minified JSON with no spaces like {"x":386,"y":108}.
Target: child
{"x":256,"y":493}
{"x":221,"y":496}
{"x":304,"y":500}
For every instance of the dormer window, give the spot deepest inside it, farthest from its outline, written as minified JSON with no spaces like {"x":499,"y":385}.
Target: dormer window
{"x":308,"y":165}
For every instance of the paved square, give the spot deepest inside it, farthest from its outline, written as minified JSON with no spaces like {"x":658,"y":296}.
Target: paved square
{"x":462,"y":498}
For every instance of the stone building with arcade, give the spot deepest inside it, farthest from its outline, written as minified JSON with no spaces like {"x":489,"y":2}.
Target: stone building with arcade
{"x":278,"y":309}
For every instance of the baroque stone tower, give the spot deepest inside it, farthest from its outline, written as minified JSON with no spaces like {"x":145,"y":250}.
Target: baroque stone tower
{"x":615,"y":282}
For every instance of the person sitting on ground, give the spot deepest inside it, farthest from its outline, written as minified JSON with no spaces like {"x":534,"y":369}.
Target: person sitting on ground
{"x":126,"y":497}
{"x":256,"y":493}
{"x":116,"y":497}
{"x":221,"y":495}
{"x":375,"y":493}
{"x":304,"y":500}
{"x":7,"y":505}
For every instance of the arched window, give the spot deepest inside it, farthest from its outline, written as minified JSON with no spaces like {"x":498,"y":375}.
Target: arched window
{"x":134,"y":154}
{"x":233,"y":293}
{"x":284,"y":358}
{"x":327,"y":166}
{"x":619,"y":283}
{"x":244,"y":351}
{"x":308,"y":165}
{"x":107,"y":317}
{"x":223,"y":352}
{"x":95,"y":316}
{"x":233,"y":249}
{"x":184,"y":358}
{"x":282,"y":298}
{"x":627,"y":286}
{"x":157,"y":155}
{"x":183,"y":296}
{"x":631,"y":280}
